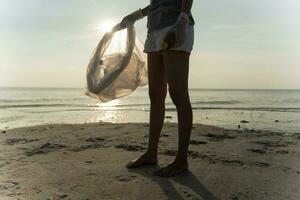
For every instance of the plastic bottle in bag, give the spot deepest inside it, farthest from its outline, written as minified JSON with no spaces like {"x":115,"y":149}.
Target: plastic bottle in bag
{"x":118,"y":66}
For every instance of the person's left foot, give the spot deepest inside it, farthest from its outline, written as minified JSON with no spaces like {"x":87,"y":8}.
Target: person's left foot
{"x":174,"y":168}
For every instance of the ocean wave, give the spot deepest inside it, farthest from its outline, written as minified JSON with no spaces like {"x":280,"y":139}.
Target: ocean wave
{"x":41,"y":105}
{"x":80,"y":110}
{"x":267,"y":109}
{"x":26,"y":103}
{"x":146,"y":106}
{"x":171,"y":103}
{"x":173,"y":109}
{"x":230,"y":102}
{"x":33,"y":100}
{"x":10,"y":118}
{"x":83,"y":105}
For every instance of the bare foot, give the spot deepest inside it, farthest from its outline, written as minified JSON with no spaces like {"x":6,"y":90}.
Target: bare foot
{"x":174,"y":168}
{"x":145,"y":159}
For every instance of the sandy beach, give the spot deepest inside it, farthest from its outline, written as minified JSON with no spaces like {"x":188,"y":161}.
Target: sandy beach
{"x":87,"y":161}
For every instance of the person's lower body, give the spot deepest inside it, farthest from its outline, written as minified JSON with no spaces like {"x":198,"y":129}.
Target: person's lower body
{"x":168,"y":67}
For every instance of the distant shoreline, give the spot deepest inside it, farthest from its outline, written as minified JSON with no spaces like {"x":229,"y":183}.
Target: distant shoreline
{"x":204,"y":89}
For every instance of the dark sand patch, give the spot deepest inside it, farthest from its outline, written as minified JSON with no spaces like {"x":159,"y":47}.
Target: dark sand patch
{"x":14,"y":141}
{"x":261,"y":151}
{"x":197,"y":142}
{"x":241,"y":196}
{"x":261,"y":164}
{"x":45,"y":148}
{"x":125,"y":178}
{"x":283,"y":152}
{"x":273,"y":143}
{"x":233,"y":162}
{"x":244,"y":121}
{"x":169,"y":152}
{"x":164,"y":135}
{"x":9,"y":188}
{"x":219,"y":137}
{"x":195,"y":154}
{"x":93,"y":143}
{"x":89,"y":161}
{"x":87,"y":146}
{"x":58,"y":197}
{"x":95,"y":139}
{"x":130,"y":147}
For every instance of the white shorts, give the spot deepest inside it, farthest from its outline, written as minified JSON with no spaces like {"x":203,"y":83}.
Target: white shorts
{"x":155,"y":38}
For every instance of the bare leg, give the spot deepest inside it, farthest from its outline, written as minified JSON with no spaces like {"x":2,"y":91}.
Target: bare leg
{"x":157,"y":95}
{"x":177,"y":70}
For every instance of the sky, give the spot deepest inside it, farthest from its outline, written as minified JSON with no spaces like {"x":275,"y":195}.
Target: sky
{"x":239,"y":44}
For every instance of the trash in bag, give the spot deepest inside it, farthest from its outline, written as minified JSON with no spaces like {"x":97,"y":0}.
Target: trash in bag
{"x":118,"y":65}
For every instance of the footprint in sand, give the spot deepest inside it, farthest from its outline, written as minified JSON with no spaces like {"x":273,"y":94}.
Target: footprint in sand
{"x":233,"y":163}
{"x":274,"y":143}
{"x":89,"y":161}
{"x":197,"y":142}
{"x":95,"y":139}
{"x":189,"y":195}
{"x":130,"y":147}
{"x":58,"y":197}
{"x":164,"y":135}
{"x":261,"y":151}
{"x":93,"y":143}
{"x":169,"y":152}
{"x":45,"y":148}
{"x":195,"y":155}
{"x":219,"y":137}
{"x":261,"y":164}
{"x":241,"y":196}
{"x":14,"y":141}
{"x":91,"y":174}
{"x":9,"y":188}
{"x":125,"y":178}
{"x":283,"y":152}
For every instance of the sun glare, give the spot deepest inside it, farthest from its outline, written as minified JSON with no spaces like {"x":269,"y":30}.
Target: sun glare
{"x":106,"y":25}
{"x":110,"y":104}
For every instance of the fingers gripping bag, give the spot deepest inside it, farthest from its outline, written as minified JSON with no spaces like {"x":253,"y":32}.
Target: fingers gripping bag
{"x":118,"y":65}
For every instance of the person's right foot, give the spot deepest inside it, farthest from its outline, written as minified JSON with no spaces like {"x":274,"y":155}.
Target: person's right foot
{"x":145,"y":159}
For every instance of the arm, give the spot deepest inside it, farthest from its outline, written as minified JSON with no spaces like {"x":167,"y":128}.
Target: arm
{"x":133,"y":17}
{"x":145,"y":11}
{"x":186,"y":5}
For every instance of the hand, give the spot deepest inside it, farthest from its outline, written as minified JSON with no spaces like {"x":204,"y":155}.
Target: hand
{"x":179,"y":28}
{"x":129,"y":20}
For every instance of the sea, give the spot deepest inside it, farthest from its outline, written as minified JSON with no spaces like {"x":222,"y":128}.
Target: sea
{"x":274,"y":110}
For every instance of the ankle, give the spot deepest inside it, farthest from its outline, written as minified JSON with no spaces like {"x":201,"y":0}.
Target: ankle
{"x":181,"y":160}
{"x":152,"y":154}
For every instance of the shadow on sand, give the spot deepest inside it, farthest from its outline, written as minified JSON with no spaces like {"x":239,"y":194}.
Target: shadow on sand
{"x":187,"y":179}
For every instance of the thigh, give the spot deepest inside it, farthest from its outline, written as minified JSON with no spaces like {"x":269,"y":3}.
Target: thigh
{"x":156,"y":75}
{"x":177,"y":70}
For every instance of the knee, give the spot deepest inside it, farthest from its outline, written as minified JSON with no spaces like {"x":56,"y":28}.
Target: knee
{"x":179,"y":98}
{"x":157,"y":97}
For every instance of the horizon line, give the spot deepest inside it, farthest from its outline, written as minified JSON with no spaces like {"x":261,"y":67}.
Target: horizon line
{"x":48,"y":87}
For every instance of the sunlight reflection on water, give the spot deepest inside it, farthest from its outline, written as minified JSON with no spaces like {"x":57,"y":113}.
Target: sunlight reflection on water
{"x":108,"y":112}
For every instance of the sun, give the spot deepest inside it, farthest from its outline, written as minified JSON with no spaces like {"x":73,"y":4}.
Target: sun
{"x":107,"y":25}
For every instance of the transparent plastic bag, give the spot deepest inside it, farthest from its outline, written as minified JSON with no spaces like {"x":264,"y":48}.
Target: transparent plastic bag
{"x":118,"y":65}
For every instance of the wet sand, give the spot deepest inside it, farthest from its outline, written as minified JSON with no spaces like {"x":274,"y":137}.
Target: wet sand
{"x":87,"y":161}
